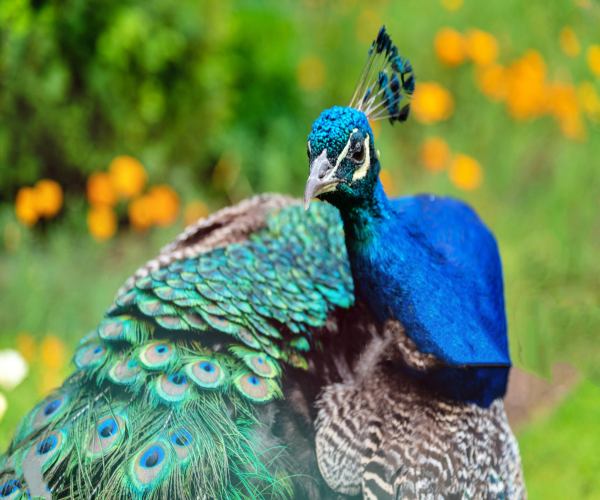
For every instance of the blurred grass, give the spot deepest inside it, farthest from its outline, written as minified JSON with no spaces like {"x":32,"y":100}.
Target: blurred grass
{"x":560,"y":450}
{"x":225,"y":113}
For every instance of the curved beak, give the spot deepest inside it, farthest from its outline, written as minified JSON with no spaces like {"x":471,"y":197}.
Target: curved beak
{"x":320,"y":179}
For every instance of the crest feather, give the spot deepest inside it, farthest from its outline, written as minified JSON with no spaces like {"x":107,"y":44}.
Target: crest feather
{"x":387,"y":79}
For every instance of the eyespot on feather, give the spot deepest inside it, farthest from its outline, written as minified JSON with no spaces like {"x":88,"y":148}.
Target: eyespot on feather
{"x":106,"y":436}
{"x":258,"y":362}
{"x":90,"y":355}
{"x":51,"y":409}
{"x":172,"y":388}
{"x":206,"y":372}
{"x":182,"y":441}
{"x":157,"y":355}
{"x":150,"y":465}
{"x":125,"y":372}
{"x":255,"y":388}
{"x":43,"y":453}
{"x":10,"y":488}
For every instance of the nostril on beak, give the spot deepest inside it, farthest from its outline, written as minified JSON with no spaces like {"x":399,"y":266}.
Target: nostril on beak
{"x":324,"y":169}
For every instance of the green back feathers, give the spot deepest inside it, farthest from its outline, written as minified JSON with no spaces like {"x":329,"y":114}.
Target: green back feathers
{"x":167,"y":390}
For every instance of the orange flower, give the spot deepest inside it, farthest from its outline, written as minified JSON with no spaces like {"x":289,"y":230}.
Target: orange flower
{"x":569,"y":42}
{"x":141,"y":213}
{"x":100,"y":190}
{"x":195,"y":210}
{"x":52,"y":353}
{"x":165,"y":204}
{"x":526,"y":86}
{"x":25,"y":206}
{"x":387,"y":181}
{"x":593,"y":59}
{"x":311,"y":73}
{"x":26,"y":346}
{"x":432,"y":103}
{"x":102,"y":222}
{"x":491,"y":80}
{"x":465,"y":172}
{"x":435,"y":154}
{"x":564,"y":105}
{"x":48,"y":197}
{"x":450,"y":47}
{"x":127,"y":176}
{"x":482,"y":47}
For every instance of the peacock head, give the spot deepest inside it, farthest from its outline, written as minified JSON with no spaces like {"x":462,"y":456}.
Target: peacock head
{"x":343,"y":160}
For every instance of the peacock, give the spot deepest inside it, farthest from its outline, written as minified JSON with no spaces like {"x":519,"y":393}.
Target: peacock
{"x":356,"y":346}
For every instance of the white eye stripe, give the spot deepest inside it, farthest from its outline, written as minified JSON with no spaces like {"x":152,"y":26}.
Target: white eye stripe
{"x":364,"y":168}
{"x":344,"y":152}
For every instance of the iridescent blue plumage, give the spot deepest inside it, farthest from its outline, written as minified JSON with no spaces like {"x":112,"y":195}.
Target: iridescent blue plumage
{"x":431,"y":264}
{"x":451,"y":280}
{"x":425,"y":261}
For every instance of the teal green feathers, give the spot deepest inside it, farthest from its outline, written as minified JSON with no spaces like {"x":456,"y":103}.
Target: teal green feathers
{"x":167,"y":392}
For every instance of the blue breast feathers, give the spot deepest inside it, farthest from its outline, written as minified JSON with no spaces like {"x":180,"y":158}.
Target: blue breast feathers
{"x":437,"y":269}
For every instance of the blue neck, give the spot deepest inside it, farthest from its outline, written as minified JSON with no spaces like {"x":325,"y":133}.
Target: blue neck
{"x":360,"y":220}
{"x":432,"y":265}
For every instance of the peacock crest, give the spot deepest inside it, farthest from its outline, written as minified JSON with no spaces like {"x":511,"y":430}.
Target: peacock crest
{"x":386,"y":83}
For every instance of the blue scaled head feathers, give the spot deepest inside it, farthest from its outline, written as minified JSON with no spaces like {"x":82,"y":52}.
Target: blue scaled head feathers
{"x":341,"y":150}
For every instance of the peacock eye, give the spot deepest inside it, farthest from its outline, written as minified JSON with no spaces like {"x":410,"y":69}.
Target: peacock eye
{"x":358,"y":153}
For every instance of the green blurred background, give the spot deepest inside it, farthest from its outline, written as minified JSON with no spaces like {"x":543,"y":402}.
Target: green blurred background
{"x":138,"y":117}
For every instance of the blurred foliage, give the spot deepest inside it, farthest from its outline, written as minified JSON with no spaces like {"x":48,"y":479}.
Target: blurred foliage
{"x":120,"y":121}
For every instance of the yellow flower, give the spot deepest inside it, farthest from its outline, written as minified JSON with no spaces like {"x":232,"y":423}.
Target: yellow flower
{"x":435,"y":154}
{"x":387,"y":181}
{"x":526,"y":86}
{"x":165,"y":203}
{"x":569,"y":43}
{"x":140,"y":213}
{"x":432,"y":103}
{"x":48,"y":197}
{"x":311,"y":73}
{"x":465,"y":172}
{"x":589,"y":100}
{"x":25,"y":206}
{"x":127,"y":176}
{"x":102,"y":222}
{"x":593,"y":59}
{"x":492,"y":81}
{"x":450,"y":47}
{"x":100,"y":190}
{"x":26,"y":346}
{"x":195,"y":210}
{"x":52,"y":353}
{"x":482,"y":47}
{"x":452,"y":5}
